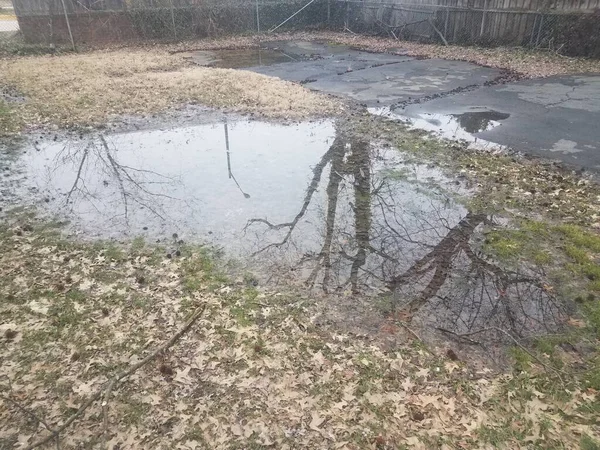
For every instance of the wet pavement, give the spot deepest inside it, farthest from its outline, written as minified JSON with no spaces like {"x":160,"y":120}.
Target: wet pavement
{"x":555,"y":118}
{"x":308,"y":204}
{"x":464,"y":127}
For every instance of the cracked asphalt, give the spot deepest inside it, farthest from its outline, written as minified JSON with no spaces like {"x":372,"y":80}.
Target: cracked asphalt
{"x":556,"y":118}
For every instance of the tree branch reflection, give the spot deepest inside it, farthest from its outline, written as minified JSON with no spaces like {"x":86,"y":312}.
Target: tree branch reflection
{"x":103,"y":183}
{"x":385,"y":233}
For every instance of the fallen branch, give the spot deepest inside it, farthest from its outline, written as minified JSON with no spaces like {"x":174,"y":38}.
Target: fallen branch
{"x":105,"y":401}
{"x":28,"y":412}
{"x":34,"y":417}
{"x":438,"y":32}
{"x":105,"y":392}
{"x":460,"y":336}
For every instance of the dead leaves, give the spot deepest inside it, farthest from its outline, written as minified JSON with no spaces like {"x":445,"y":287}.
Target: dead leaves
{"x":228,"y":383}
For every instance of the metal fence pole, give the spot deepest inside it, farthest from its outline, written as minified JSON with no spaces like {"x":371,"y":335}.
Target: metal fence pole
{"x":257,"y":18}
{"x":533,"y":29}
{"x":173,"y":20}
{"x":347,"y":17}
{"x":68,"y":25}
{"x":485,"y":5}
{"x":292,"y":16}
{"x":446,"y":21}
{"x":537,"y":41}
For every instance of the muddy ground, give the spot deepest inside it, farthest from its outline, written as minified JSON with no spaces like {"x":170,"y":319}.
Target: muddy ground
{"x":354,"y":283}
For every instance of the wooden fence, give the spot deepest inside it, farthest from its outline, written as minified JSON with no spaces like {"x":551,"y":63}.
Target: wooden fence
{"x":572,"y":26}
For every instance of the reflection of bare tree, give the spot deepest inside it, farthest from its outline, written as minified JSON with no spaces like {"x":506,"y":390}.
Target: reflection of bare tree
{"x":425,"y":256}
{"x":313,"y":186}
{"x":96,"y":159}
{"x":439,"y":260}
{"x":473,"y":290}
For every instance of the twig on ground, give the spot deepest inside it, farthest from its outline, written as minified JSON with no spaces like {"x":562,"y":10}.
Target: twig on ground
{"x":28,"y":412}
{"x":35,"y":417}
{"x":105,"y":401}
{"x":415,"y":335}
{"x":460,"y":336}
{"x":105,"y":392}
{"x":264,"y":305}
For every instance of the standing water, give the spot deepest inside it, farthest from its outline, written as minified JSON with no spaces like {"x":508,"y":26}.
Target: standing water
{"x":308,"y":203}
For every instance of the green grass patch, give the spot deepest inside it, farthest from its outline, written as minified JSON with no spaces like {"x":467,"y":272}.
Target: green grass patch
{"x":499,"y":436}
{"x":580,"y":237}
{"x":10,"y":119}
{"x":588,"y":443}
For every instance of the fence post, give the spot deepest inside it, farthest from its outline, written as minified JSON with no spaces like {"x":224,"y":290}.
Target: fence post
{"x":328,"y":11}
{"x":173,"y":20}
{"x":257,"y":18}
{"x":446,"y":21}
{"x":485,"y":5}
{"x":347,"y":18}
{"x":533,"y":30}
{"x":68,"y":25}
{"x":537,"y":40}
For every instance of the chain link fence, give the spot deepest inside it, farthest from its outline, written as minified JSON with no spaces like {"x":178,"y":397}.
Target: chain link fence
{"x":98,"y":22}
{"x":463,"y":22}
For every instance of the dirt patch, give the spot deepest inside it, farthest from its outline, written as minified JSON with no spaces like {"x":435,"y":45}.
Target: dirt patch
{"x":90,"y":88}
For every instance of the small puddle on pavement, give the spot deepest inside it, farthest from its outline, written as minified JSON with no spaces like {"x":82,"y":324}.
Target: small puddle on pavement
{"x":305,"y":204}
{"x":462,"y":126}
{"x":478,"y":121}
{"x":239,"y":58}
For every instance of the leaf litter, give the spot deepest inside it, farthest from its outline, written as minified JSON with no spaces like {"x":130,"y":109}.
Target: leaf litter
{"x":255,"y":371}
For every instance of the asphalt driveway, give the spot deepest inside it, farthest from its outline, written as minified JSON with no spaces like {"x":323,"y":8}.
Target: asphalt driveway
{"x":556,"y":118}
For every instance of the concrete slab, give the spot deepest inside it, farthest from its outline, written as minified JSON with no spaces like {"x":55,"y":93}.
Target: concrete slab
{"x":556,"y":118}
{"x":9,"y":25}
{"x":314,"y":61}
{"x":405,"y":80}
{"x":371,"y":78}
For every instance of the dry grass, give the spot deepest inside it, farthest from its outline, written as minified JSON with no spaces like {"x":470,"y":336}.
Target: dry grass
{"x":89,"y":88}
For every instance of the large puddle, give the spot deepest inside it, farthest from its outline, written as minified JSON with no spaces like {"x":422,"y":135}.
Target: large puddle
{"x":303,"y":204}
